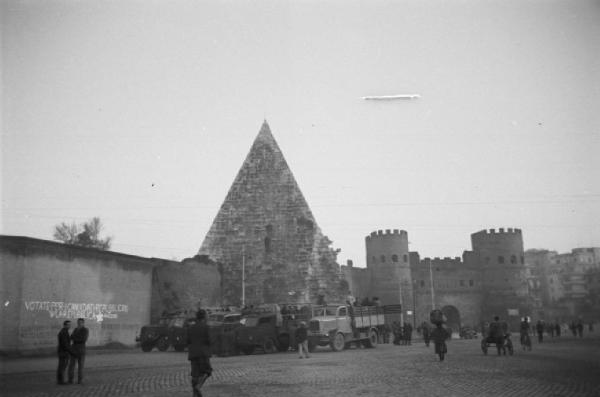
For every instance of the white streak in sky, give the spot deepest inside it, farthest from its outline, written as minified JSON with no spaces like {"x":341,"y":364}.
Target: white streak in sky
{"x":391,"y":97}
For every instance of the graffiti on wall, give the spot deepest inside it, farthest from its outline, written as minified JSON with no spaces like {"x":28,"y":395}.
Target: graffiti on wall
{"x":68,"y":310}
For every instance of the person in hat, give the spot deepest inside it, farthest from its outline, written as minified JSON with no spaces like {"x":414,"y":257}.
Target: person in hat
{"x":302,"y":340}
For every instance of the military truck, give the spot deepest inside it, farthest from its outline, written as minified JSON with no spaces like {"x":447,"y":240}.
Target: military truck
{"x":339,"y":325}
{"x":171,"y":330}
{"x":222,"y":326}
{"x":266,"y":328}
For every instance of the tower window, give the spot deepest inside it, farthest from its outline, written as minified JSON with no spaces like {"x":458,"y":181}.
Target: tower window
{"x":422,"y":283}
{"x":501,"y":259}
{"x":471,"y":283}
{"x":405,"y":258}
{"x":382,"y":258}
{"x":394,"y":258}
{"x":513,"y":259}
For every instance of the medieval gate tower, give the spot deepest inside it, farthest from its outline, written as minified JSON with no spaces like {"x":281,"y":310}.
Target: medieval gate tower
{"x":388,"y":263}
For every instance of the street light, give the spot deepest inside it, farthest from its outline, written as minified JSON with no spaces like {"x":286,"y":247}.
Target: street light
{"x":431,"y":282}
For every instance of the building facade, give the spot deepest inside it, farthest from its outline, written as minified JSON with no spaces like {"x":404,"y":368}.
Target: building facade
{"x":489,"y":280}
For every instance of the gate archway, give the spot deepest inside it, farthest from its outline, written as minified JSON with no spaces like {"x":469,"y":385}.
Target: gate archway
{"x":452,"y":317}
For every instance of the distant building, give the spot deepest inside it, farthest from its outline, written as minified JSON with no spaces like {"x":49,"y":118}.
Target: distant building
{"x":489,"y":280}
{"x":567,"y":281}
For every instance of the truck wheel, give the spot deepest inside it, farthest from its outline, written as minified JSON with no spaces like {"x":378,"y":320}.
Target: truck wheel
{"x":162,"y":344}
{"x":372,"y":341}
{"x":283,"y":343}
{"x":269,"y":346}
{"x":338,"y":343}
{"x":179,"y":348}
{"x":147,"y":347}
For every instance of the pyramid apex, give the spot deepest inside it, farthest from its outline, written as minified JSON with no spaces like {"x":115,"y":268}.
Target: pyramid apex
{"x":265,"y":134}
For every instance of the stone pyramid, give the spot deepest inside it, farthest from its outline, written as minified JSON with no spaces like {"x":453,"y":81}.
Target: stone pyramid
{"x":266,"y":227}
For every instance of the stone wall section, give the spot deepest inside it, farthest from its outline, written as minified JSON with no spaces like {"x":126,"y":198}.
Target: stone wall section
{"x":184,"y":286}
{"x":45,"y":283}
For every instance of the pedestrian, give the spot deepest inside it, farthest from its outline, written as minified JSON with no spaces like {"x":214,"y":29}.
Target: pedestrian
{"x":439,"y":336}
{"x":302,"y":340}
{"x":557,"y":329}
{"x":408,"y":329}
{"x":591,"y":326}
{"x":580,"y":328}
{"x":426,"y":333}
{"x":551,"y":330}
{"x":79,"y":337}
{"x":524,"y":330}
{"x":573,"y":327}
{"x":496,"y":334}
{"x":539,"y":327}
{"x":198,"y":341}
{"x":64,"y":352}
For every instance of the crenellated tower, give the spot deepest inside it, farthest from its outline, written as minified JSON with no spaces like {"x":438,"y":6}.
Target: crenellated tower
{"x":502,"y":260}
{"x":389,"y":266}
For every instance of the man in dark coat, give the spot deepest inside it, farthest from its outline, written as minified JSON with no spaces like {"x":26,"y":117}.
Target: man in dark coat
{"x":539,"y":327}
{"x":426,"y":331}
{"x":439,"y":336}
{"x":198,"y":341}
{"x":79,"y":337}
{"x":407,"y":331}
{"x":64,"y":352}
{"x":497,"y":334}
{"x":301,"y":336}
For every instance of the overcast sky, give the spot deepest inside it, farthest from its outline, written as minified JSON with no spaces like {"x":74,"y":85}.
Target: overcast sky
{"x":142,"y":112}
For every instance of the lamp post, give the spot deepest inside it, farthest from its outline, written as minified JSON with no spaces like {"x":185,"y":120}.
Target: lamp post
{"x":431,"y":282}
{"x":243,"y":275}
{"x":415,"y":304}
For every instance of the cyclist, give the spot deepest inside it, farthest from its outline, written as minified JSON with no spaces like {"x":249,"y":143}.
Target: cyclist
{"x":525,"y":329}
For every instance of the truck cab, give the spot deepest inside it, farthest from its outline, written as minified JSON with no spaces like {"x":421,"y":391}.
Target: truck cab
{"x":339,"y":325}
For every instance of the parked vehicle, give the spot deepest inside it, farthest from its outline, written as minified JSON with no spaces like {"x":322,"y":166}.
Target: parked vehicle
{"x":266,"y":328}
{"x":340,"y":325}
{"x":467,"y":333}
{"x":169,"y":331}
{"x":222,"y":327}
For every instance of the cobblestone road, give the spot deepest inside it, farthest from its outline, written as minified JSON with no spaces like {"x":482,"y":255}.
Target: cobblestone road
{"x":560,"y":367}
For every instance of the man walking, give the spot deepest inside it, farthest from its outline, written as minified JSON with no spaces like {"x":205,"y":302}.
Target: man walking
{"x":79,"y":337}
{"x":302,"y":340}
{"x":426,"y":331}
{"x":64,"y":352}
{"x":539,"y":327}
{"x":198,"y":341}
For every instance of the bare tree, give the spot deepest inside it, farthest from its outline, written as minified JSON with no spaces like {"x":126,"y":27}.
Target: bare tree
{"x":86,"y":235}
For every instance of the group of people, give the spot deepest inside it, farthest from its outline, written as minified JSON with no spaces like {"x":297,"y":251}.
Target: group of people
{"x":71,"y":351}
{"x":402,"y":333}
{"x":556,"y":329}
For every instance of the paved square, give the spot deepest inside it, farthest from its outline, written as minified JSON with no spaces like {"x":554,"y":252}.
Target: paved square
{"x":563,"y":366}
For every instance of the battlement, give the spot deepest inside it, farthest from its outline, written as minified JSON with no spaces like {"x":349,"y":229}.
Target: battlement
{"x":509,"y":230}
{"x":442,"y":261}
{"x":388,"y":232}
